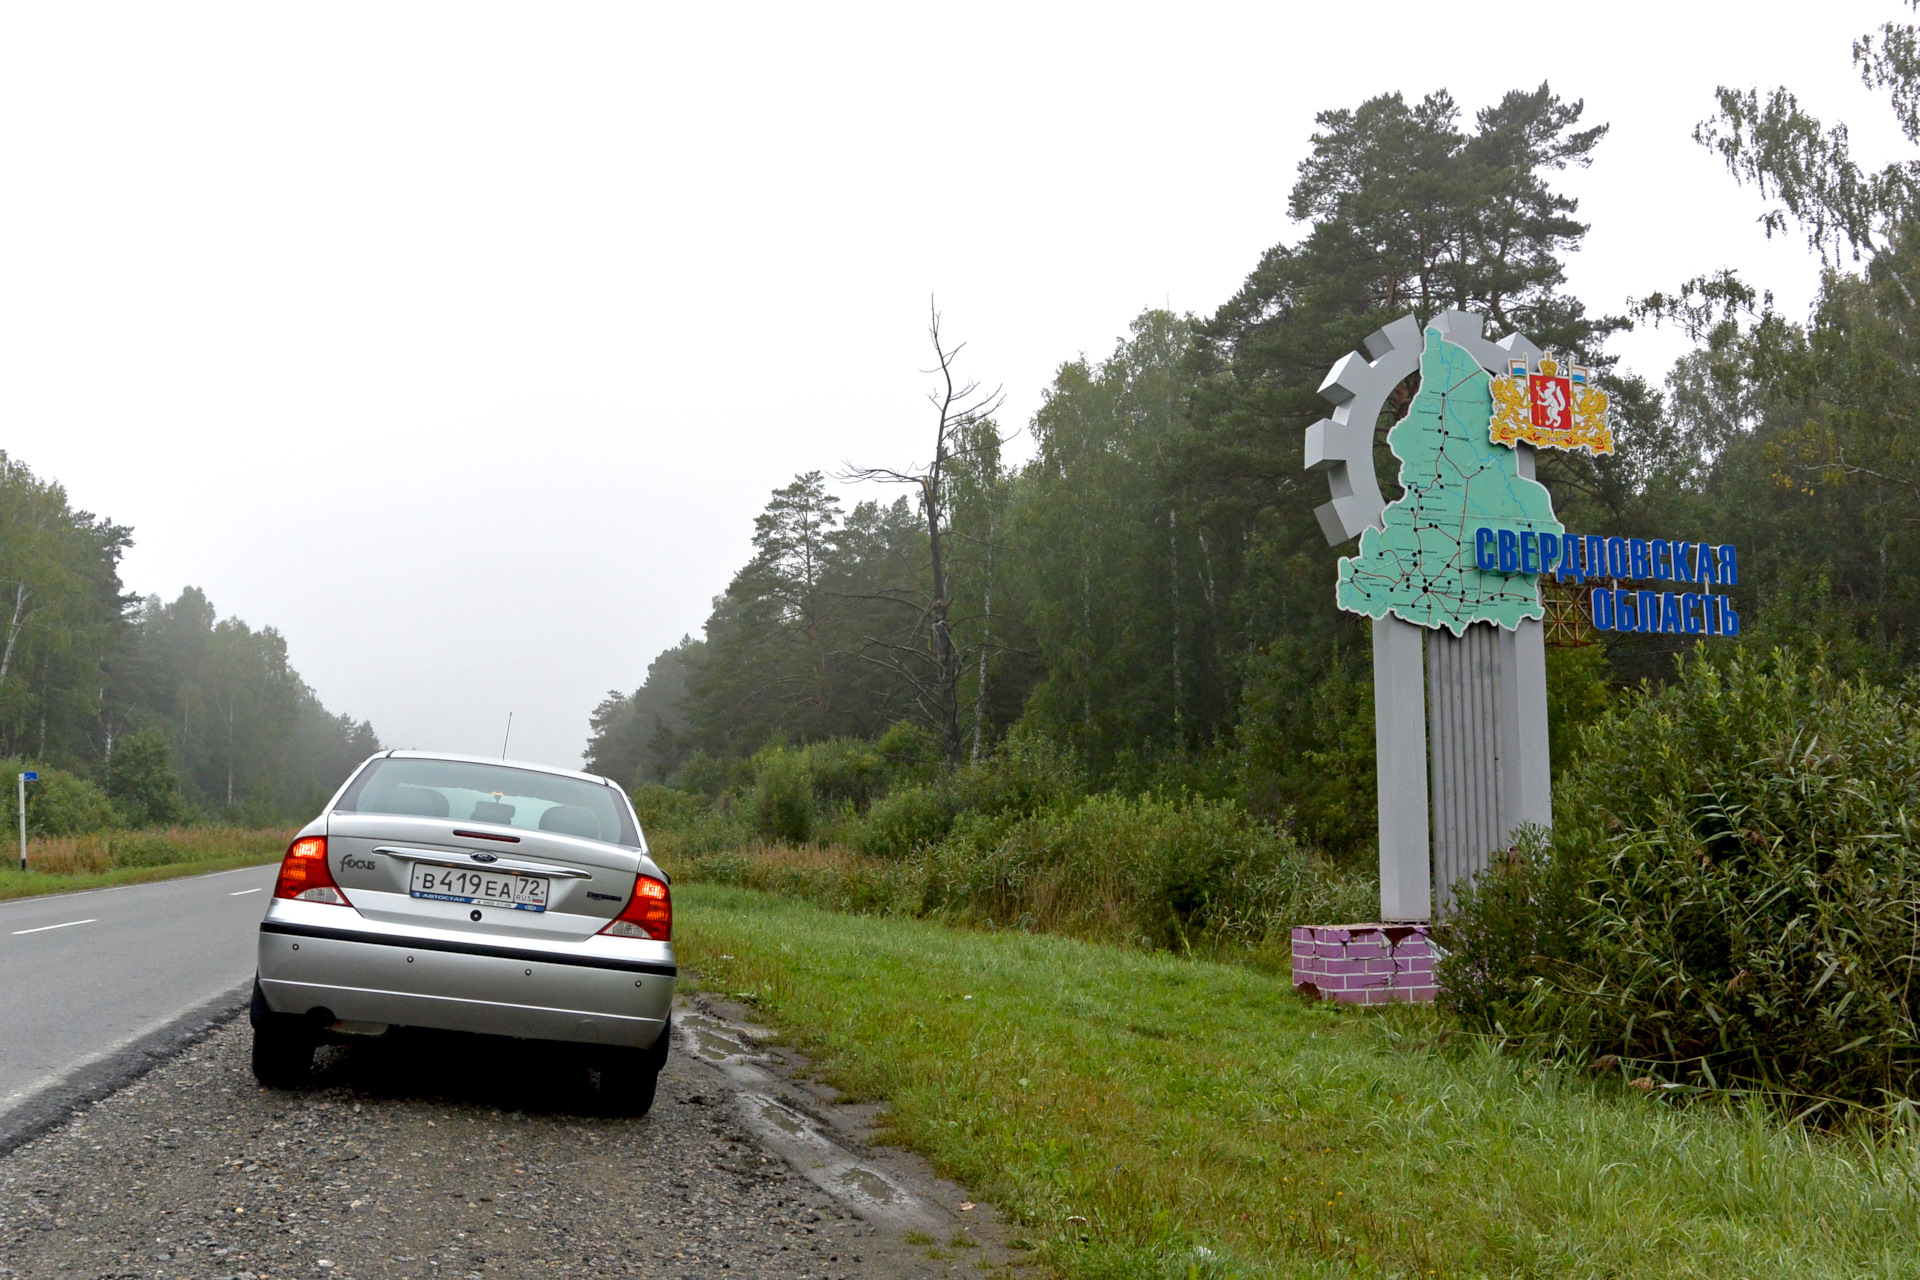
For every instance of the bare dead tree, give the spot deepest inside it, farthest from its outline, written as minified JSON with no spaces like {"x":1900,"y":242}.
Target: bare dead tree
{"x":930,"y":663}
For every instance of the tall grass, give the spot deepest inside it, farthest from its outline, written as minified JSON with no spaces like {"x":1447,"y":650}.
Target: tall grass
{"x":1149,"y":872}
{"x":57,"y":864}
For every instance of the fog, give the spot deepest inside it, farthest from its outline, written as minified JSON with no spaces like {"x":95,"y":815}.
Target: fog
{"x":462,"y":343}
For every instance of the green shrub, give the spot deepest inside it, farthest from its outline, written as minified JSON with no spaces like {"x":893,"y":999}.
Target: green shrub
{"x":1520,"y":918}
{"x":1732,"y":892}
{"x":659,"y":806}
{"x":783,"y":796}
{"x":705,"y":776}
{"x":1026,"y":773}
{"x":142,"y":779}
{"x":1149,"y":870}
{"x":846,"y":772}
{"x":59,"y":804}
{"x":901,"y":823}
{"x":716,"y":830}
{"x":1305,"y":746}
{"x":911,"y":755}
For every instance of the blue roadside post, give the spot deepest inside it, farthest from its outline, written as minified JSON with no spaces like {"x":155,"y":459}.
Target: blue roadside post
{"x":31,"y":775}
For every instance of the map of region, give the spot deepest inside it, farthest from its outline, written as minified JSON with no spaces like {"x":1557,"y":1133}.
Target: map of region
{"x":1420,"y":566}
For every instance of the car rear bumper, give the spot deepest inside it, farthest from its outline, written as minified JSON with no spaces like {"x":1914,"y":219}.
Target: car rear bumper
{"x":603,"y":994}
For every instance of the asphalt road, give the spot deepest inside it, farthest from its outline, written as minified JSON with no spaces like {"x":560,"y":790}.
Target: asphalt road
{"x":85,"y":975}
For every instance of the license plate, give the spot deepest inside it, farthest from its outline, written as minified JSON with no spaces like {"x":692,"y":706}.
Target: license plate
{"x":482,"y":888}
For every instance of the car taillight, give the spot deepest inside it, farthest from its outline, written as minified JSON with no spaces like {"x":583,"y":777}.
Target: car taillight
{"x":304,"y":876}
{"x":648,"y":914}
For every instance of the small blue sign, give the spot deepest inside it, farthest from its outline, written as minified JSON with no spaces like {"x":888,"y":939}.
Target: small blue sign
{"x":32,"y":775}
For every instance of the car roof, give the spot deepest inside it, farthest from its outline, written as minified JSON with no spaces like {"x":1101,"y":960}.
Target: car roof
{"x":528,"y":765}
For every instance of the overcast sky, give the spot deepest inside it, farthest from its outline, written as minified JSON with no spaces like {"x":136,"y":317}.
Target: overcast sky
{"x":462,"y":342}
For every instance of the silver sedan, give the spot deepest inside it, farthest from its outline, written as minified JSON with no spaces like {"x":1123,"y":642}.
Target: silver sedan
{"x":466,"y":894}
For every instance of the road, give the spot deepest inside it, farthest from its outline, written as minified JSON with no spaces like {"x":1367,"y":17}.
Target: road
{"x":88,"y":974}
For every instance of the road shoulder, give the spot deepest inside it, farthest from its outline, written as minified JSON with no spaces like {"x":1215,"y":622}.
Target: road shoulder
{"x":459,"y":1157}
{"x":43,"y":1106}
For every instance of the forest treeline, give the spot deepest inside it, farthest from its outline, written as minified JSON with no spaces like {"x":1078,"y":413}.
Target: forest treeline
{"x":139,"y":711}
{"x":1148,"y":590}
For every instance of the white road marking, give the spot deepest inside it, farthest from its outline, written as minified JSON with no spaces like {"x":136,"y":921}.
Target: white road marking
{"x":243,"y":893}
{"x":43,"y":928}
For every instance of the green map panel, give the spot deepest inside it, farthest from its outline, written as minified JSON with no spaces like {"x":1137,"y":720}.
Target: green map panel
{"x":1420,"y":567}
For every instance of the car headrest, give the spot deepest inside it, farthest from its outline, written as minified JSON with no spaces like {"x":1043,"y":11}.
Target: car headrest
{"x":417,"y":801}
{"x":492,"y":811}
{"x":571,"y":820}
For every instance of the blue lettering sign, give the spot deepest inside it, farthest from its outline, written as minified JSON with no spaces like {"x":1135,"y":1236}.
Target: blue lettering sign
{"x":1662,"y":560}
{"x":1637,"y":559}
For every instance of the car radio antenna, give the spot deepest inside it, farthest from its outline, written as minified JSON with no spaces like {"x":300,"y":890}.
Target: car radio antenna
{"x":508,"y":737}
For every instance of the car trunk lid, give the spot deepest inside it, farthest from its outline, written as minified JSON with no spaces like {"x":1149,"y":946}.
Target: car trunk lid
{"x":441,"y":872}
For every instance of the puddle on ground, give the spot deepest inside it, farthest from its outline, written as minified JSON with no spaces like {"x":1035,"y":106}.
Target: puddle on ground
{"x":789,"y":1132}
{"x":864,"y":1182}
{"x":713,"y":1046}
{"x":786,"y":1120}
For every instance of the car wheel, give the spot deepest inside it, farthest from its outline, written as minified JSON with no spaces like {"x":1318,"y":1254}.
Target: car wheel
{"x":283,"y":1046}
{"x":630,"y":1077}
{"x":282,"y":1055}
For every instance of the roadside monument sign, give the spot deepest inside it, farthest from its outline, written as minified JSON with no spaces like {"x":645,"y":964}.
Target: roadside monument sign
{"x":1450,"y":574}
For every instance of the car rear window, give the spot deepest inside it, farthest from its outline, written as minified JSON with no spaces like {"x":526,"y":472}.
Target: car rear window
{"x":492,"y":793}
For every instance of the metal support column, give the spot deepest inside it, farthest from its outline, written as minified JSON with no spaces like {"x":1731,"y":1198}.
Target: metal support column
{"x":1487,"y":690}
{"x":1400,"y":745}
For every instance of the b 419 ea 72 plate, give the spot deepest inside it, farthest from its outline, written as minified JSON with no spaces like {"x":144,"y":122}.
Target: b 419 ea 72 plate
{"x":481,"y":888}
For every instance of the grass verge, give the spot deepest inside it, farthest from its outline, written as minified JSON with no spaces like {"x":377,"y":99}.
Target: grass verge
{"x":1149,"y":1116}
{"x":64,"y":864}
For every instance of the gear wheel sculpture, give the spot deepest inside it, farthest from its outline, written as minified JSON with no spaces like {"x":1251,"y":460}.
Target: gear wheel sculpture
{"x":1358,"y":386}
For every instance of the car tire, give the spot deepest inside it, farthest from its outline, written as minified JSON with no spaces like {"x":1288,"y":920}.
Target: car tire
{"x":629,"y":1078}
{"x":283,"y":1046}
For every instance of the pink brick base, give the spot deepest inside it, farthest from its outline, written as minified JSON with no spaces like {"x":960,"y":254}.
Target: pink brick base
{"x":1364,"y":963}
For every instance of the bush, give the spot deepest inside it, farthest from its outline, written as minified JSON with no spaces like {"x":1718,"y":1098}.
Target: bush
{"x":1305,"y":746}
{"x":1026,"y":773}
{"x":845,"y":773}
{"x":1149,"y":871}
{"x":911,"y":754}
{"x":705,"y":776}
{"x":1732,"y":892}
{"x":59,"y":804}
{"x":902,"y":823}
{"x":783,"y":796}
{"x":667,"y":807}
{"x":142,"y":779}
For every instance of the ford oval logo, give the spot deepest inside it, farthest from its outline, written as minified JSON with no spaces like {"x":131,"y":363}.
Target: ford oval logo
{"x":483,"y":857}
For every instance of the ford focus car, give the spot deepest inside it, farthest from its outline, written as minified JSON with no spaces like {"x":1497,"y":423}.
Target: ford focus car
{"x":465,"y":894}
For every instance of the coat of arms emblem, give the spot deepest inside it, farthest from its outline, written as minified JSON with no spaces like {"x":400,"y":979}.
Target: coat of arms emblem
{"x":1549,"y":407}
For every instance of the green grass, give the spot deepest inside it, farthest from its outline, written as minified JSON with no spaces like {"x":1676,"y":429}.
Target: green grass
{"x":98,"y":861}
{"x":1148,"y":1116}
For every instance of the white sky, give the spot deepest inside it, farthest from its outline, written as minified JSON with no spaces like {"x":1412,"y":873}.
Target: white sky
{"x":463,"y":342}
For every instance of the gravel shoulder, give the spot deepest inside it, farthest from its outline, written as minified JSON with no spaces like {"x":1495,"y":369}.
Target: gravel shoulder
{"x":455,"y":1156}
